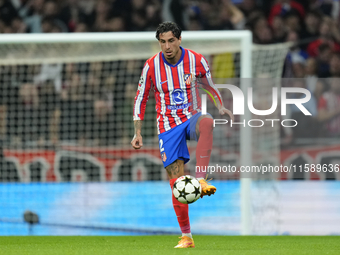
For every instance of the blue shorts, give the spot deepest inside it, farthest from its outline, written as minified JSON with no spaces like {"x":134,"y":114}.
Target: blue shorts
{"x":172,"y":143}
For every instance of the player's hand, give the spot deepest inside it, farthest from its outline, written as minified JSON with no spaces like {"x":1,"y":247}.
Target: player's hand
{"x":223,"y":111}
{"x":137,"y":142}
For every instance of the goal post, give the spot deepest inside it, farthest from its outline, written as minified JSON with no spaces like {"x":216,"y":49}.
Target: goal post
{"x":76,"y":65}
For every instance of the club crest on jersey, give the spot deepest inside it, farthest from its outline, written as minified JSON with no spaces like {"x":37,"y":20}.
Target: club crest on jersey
{"x":188,"y":78}
{"x":164,"y":157}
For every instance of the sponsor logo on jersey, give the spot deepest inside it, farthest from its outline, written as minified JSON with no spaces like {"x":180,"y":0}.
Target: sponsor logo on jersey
{"x":178,"y":96}
{"x":178,"y":107}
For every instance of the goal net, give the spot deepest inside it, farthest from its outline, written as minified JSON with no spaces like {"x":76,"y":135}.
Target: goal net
{"x":66,"y":124}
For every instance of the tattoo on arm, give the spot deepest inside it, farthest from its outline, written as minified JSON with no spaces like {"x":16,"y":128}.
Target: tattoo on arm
{"x":138,"y":126}
{"x":172,"y":169}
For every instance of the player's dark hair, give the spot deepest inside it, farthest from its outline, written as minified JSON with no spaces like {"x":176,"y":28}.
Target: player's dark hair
{"x":167,"y":26}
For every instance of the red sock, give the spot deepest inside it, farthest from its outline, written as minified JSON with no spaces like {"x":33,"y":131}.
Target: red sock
{"x":204,"y":146}
{"x":182,"y":211}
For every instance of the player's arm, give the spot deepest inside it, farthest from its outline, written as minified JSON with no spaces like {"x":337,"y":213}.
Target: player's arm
{"x":217,"y":96}
{"x":222,"y":110}
{"x":141,"y":99}
{"x":137,"y":140}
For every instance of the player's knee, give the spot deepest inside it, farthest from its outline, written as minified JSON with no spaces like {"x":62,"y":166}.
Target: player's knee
{"x":206,"y":125}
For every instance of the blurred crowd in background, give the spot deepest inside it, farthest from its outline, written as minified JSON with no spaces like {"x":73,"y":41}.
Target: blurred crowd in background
{"x":312,"y":26}
{"x":78,"y":103}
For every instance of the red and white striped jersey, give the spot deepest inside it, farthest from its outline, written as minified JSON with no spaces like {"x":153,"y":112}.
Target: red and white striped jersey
{"x":177,"y":98}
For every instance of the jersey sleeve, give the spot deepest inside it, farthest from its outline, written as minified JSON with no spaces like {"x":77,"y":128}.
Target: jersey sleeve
{"x":206,"y":75}
{"x":142,"y":95}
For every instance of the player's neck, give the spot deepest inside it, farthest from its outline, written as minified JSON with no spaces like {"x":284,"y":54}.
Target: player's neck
{"x":174,"y":61}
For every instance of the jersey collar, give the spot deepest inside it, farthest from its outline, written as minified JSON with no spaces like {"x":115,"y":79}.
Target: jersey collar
{"x":179,"y":61}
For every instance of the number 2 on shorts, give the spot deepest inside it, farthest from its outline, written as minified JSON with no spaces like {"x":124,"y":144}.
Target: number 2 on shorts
{"x":161,"y":145}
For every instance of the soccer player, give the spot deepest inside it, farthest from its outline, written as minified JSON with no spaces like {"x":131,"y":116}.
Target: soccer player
{"x":171,"y":73}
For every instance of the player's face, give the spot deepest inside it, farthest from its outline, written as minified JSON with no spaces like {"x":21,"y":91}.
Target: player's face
{"x":170,"y":47}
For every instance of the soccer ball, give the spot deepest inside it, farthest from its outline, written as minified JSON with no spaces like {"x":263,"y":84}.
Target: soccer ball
{"x":187,"y":189}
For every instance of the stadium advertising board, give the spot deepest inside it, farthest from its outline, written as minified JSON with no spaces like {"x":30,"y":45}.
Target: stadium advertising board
{"x":129,"y":165}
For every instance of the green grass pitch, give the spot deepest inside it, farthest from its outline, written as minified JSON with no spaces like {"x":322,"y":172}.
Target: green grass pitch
{"x":163,"y":245}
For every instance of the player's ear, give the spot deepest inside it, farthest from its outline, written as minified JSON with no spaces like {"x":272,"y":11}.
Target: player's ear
{"x":180,"y":39}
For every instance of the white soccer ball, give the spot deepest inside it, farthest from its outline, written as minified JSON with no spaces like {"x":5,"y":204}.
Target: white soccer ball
{"x":187,"y":189}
